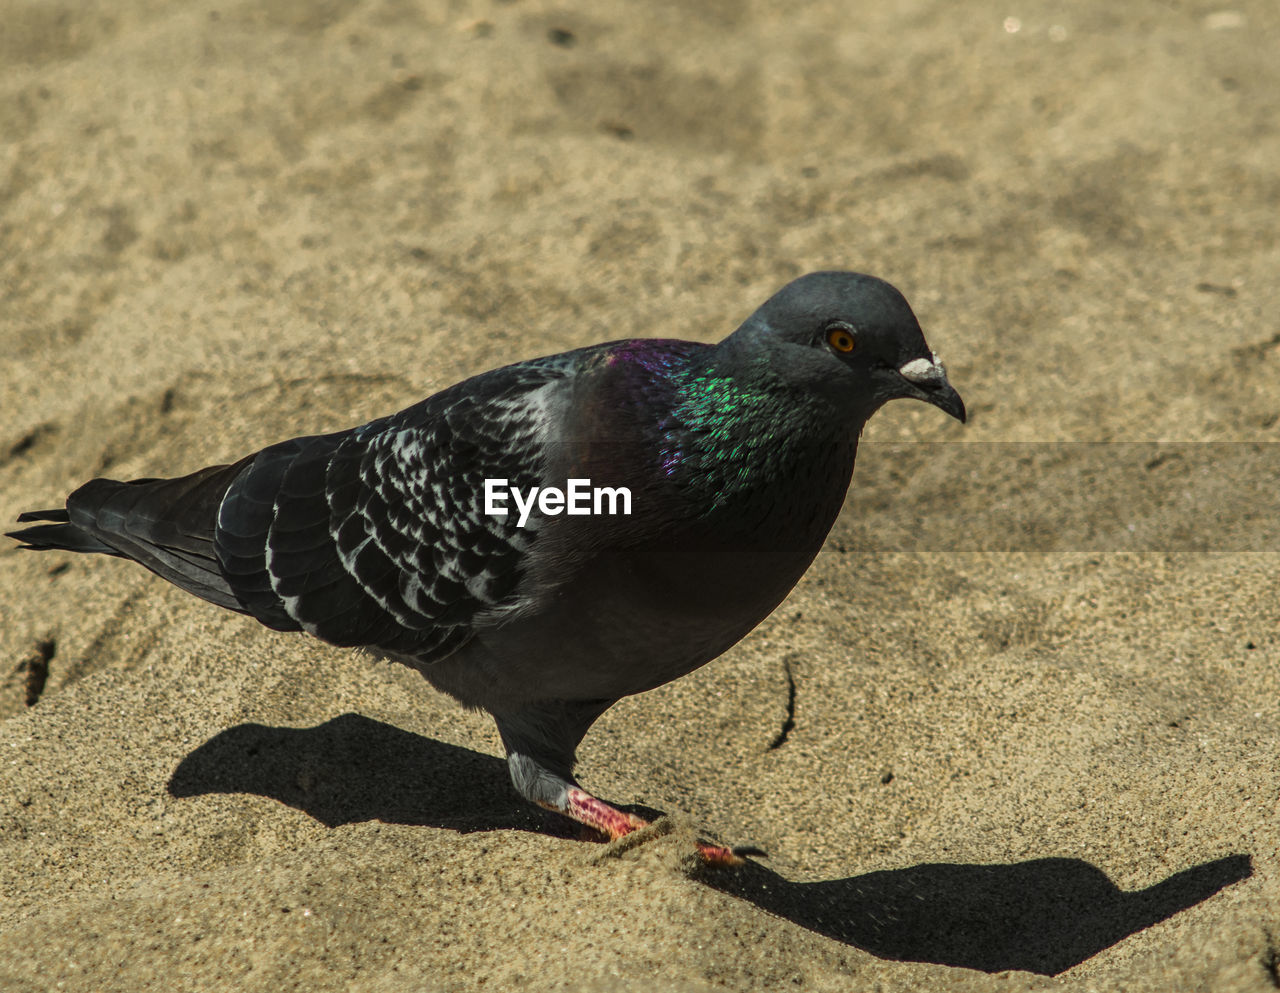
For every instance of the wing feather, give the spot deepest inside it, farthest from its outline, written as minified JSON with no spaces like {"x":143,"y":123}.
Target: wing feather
{"x":376,"y":536}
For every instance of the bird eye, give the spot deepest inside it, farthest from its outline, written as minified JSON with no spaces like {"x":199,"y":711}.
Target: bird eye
{"x":841,"y":339}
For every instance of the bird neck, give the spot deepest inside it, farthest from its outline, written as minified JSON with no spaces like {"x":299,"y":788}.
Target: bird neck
{"x":738,"y":432}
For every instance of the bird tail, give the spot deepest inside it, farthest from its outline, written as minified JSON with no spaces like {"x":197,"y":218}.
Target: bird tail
{"x":61,"y":534}
{"x":166,"y":525}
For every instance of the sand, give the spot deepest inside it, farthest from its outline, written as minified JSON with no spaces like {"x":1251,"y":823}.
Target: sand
{"x":1035,"y":734}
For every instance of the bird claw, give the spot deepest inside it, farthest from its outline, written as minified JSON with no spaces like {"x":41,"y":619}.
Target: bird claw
{"x":718,"y":855}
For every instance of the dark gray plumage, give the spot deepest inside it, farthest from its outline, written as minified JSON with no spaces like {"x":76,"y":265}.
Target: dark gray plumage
{"x":736,"y":457}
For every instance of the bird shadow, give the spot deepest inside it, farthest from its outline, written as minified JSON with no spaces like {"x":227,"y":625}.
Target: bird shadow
{"x":1043,"y":916}
{"x":352,"y":769}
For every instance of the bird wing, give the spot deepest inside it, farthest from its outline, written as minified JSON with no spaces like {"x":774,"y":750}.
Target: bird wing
{"x":377,"y":536}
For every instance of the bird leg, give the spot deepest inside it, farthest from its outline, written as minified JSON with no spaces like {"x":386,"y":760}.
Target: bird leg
{"x":586,"y":809}
{"x":551,"y":792}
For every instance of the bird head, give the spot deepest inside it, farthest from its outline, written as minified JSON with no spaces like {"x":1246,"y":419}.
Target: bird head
{"x":849,"y":339}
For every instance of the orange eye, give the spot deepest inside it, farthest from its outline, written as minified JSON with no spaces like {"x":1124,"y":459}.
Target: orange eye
{"x":840,"y":339}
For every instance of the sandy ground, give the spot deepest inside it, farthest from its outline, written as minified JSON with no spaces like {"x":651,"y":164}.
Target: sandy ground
{"x":1036,"y":719}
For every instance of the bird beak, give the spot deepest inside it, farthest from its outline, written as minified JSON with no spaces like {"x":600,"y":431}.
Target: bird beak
{"x":927,"y":380}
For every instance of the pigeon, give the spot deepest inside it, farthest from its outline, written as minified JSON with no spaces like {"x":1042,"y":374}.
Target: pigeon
{"x":546,"y":538}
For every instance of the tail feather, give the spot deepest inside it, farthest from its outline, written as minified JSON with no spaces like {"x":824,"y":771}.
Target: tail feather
{"x":60,"y":535}
{"x":166,"y":525}
{"x":58,"y":514}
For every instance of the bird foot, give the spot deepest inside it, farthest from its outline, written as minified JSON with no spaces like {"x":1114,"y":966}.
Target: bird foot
{"x":615,"y":824}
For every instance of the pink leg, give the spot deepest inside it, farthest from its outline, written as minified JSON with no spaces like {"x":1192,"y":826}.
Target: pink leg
{"x":615,"y":824}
